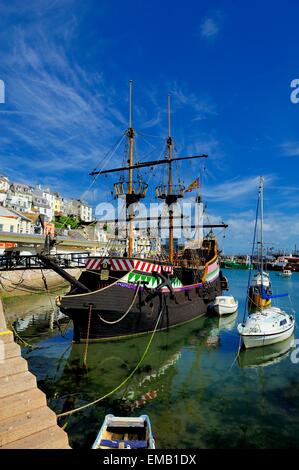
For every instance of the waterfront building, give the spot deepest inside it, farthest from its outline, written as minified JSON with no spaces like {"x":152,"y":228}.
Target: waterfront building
{"x":85,"y":211}
{"x":19,"y":197}
{"x":4,"y":188}
{"x":77,"y":208}
{"x":43,"y":203}
{"x":47,"y":194}
{"x":14,"y":222}
{"x":58,"y":205}
{"x":4,"y":183}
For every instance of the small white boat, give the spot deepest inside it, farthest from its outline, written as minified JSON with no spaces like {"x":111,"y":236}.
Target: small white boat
{"x":286,"y":273}
{"x":225,"y":304}
{"x":268,"y":326}
{"x":125,"y":433}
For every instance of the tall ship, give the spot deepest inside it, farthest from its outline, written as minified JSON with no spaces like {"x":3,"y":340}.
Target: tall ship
{"x":121,"y":296}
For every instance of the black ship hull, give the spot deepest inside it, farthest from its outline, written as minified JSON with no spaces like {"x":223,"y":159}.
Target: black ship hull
{"x":118,"y":311}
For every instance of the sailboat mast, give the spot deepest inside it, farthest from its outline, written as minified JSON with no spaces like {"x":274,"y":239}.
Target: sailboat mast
{"x":170,"y":149}
{"x":262,"y":221}
{"x":130,"y":134}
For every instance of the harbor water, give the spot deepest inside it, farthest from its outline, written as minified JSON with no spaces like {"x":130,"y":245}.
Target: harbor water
{"x":196,"y":391}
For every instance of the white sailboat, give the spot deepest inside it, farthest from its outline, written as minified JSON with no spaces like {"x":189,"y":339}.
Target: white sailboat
{"x":266,"y":324}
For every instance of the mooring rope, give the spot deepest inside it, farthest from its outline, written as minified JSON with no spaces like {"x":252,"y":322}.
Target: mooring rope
{"x":80,"y":408}
{"x":25,"y":343}
{"x":87,"y":336}
{"x":126,"y":313}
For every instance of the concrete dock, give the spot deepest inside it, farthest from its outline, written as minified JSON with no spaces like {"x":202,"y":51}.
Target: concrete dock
{"x":26,"y":422}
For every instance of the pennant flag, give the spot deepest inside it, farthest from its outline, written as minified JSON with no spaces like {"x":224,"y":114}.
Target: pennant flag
{"x":193,"y":185}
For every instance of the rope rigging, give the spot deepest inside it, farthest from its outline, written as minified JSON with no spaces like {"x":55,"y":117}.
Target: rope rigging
{"x":94,"y":402}
{"x":127,"y":311}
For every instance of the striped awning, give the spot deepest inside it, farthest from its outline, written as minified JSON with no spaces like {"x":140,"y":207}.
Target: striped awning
{"x":117,"y":264}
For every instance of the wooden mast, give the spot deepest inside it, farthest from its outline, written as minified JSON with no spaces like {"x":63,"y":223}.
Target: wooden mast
{"x":130,"y":134}
{"x":170,"y":148}
{"x":133,"y":193}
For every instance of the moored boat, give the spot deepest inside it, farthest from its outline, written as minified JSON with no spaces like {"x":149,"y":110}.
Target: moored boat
{"x":264,"y":324}
{"x":128,"y":295}
{"x":133,"y":303}
{"x":125,"y":433}
{"x":286,"y":273}
{"x":235,"y":264}
{"x":268,"y":326}
{"x":225,"y":305}
{"x":260,"y":290}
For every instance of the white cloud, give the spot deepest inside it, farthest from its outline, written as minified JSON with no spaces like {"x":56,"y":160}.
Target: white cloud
{"x":211,"y":24}
{"x":290,"y":149}
{"x":236,"y":189}
{"x":58,"y":117}
{"x":202,"y":107}
{"x":209,"y":28}
{"x":239,"y":234}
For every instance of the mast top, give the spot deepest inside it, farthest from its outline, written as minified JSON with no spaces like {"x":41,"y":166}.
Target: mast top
{"x":169,"y":139}
{"x":130,"y":117}
{"x":168,"y":115}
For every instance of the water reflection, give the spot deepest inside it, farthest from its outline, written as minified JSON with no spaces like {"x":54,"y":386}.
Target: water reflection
{"x":109,"y":363}
{"x":190,"y":384}
{"x":267,"y":355}
{"x":227,"y":322}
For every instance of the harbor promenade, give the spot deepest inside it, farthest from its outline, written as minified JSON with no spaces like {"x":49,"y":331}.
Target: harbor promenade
{"x":26,"y":422}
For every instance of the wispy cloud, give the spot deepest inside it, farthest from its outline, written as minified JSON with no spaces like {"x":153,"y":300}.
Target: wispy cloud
{"x":210,"y":25}
{"x":202,"y":107}
{"x":290,"y":149}
{"x":236,"y":189}
{"x":55,"y":116}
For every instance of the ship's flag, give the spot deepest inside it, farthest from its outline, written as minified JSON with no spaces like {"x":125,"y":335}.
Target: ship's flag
{"x":193,"y":185}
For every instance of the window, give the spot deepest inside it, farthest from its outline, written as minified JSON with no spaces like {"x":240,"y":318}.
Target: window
{"x":1,"y":227}
{"x":11,"y":228}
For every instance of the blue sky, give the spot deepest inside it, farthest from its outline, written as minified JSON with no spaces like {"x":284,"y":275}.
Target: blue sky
{"x":228,"y":66}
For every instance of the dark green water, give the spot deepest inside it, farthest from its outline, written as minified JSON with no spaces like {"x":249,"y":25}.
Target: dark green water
{"x":191,"y":385}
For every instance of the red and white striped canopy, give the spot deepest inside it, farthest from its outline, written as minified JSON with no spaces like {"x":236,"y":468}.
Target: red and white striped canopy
{"x":127,"y":265}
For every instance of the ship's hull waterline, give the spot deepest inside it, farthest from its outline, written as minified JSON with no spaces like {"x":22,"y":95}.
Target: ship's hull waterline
{"x":91,"y":311}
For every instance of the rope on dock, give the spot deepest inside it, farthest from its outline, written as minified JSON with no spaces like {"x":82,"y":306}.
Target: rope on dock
{"x":127,"y":311}
{"x":80,"y":408}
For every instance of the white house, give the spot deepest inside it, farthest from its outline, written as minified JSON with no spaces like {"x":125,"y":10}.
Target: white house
{"x":19,"y":197}
{"x":4,"y":187}
{"x":44,"y":202}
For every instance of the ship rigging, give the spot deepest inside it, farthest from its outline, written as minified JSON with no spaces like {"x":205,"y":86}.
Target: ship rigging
{"x":127,"y":295}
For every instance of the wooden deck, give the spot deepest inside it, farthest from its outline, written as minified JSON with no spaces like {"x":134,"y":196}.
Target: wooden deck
{"x":26,"y":422}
